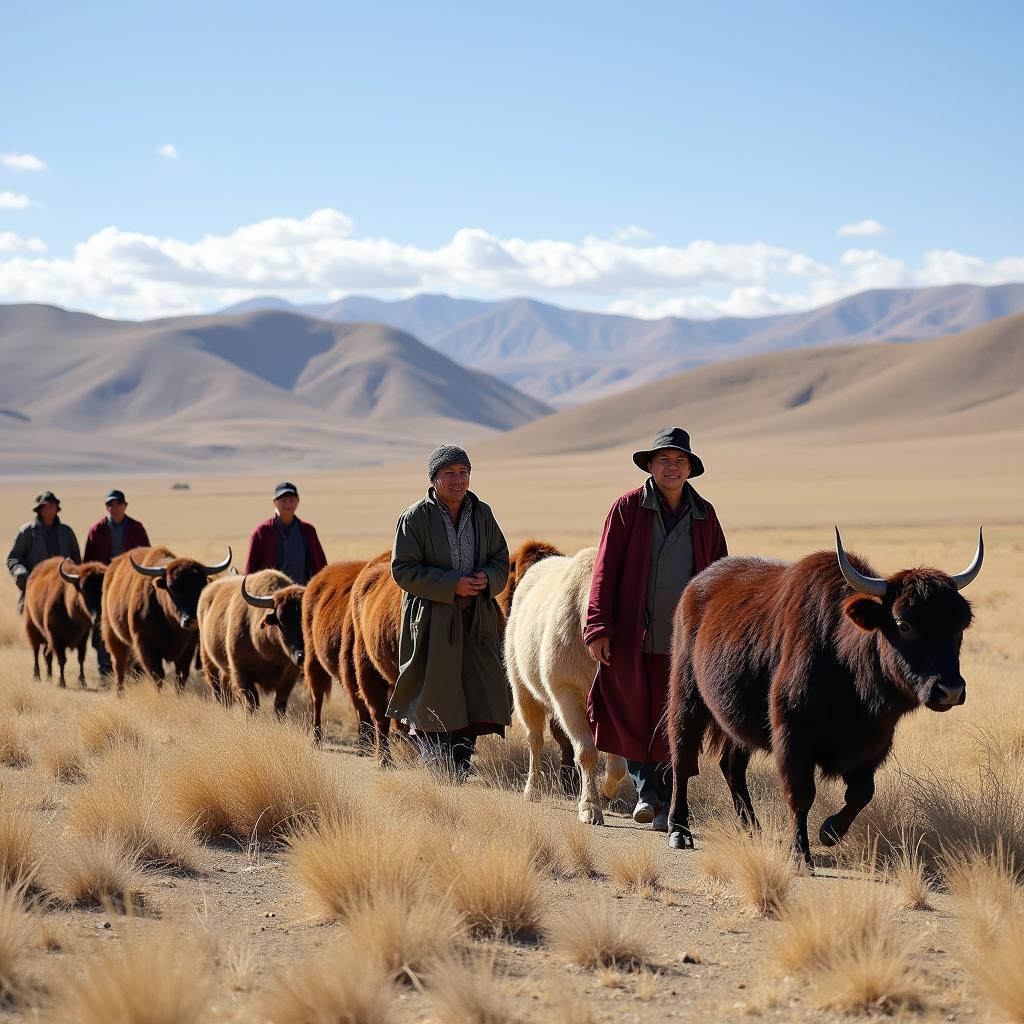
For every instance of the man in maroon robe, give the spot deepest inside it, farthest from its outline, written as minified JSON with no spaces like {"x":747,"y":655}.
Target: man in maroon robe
{"x":655,"y":539}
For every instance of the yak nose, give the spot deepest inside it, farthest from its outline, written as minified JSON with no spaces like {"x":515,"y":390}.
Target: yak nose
{"x":186,"y":621}
{"x":950,"y":696}
{"x":300,"y":657}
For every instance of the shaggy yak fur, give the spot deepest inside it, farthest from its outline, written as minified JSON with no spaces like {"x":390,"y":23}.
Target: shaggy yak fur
{"x":551,"y":671}
{"x":327,"y":632}
{"x":246,"y":649}
{"x":61,"y":610}
{"x":153,"y":619}
{"x":785,"y":657}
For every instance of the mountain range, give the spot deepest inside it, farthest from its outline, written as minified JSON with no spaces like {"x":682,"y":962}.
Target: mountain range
{"x":565,"y":357}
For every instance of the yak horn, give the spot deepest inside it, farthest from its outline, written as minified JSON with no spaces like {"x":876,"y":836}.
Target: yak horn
{"x":70,"y":577}
{"x":212,"y":570}
{"x":256,"y":600}
{"x":961,"y":579}
{"x":155,"y":571}
{"x":869,"y":585}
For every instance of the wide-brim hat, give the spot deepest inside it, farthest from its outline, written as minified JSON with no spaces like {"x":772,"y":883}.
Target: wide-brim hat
{"x":42,"y":499}
{"x":670,"y":437}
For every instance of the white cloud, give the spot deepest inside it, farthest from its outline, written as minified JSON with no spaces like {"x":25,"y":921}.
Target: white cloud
{"x":629,"y":233}
{"x":13,"y":201}
{"x":867,"y":228}
{"x":22,"y":162}
{"x":168,"y":152}
{"x":308,"y":258}
{"x":10,"y":242}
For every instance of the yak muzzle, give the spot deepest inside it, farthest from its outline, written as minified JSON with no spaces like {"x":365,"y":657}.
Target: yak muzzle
{"x":945,"y":696}
{"x":187,"y":621}
{"x":299,"y":657}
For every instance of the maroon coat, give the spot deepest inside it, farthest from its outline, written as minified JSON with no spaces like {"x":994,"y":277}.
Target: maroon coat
{"x":99,"y":545}
{"x":619,"y":707}
{"x":264,"y":548}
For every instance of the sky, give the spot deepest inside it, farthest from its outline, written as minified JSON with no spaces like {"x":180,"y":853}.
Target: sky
{"x":651,"y":159}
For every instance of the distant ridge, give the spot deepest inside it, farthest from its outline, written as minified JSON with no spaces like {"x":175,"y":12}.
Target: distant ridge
{"x":566,"y":357}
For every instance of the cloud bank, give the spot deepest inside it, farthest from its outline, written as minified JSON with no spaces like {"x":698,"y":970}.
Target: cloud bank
{"x":22,"y":162}
{"x":129,"y":273}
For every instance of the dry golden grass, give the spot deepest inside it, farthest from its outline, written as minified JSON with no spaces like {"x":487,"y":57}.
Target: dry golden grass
{"x":467,"y":991}
{"x":352,"y":990}
{"x":124,"y":797}
{"x":637,"y":868}
{"x":343,"y":864}
{"x":15,"y":940}
{"x":113,"y":722}
{"x":497,"y":888}
{"x":94,"y":872}
{"x":21,"y":845}
{"x":576,"y":856}
{"x":14,"y":752}
{"x":486,"y":811}
{"x":845,"y":940}
{"x":997,"y":968}
{"x":61,"y":754}
{"x":910,"y":876}
{"x":404,"y":934}
{"x":760,"y":866}
{"x":250,"y":776}
{"x":149,"y":979}
{"x":600,"y":936}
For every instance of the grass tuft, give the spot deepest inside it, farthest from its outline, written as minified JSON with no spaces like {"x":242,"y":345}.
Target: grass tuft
{"x":95,"y":872}
{"x":15,"y":941}
{"x":599,"y":936}
{"x":759,"y":866}
{"x":636,"y":869}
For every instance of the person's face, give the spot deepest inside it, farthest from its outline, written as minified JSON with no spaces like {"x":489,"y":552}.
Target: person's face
{"x":670,"y":470}
{"x":452,"y":482}
{"x":116,"y":510}
{"x":48,"y":512}
{"x":286,"y":506}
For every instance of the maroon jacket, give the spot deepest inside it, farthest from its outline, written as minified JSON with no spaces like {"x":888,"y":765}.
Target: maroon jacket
{"x":619,"y":708}
{"x":263,"y":548}
{"x":99,"y":544}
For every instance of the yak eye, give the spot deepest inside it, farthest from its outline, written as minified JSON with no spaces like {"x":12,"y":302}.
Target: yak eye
{"x":903,"y":626}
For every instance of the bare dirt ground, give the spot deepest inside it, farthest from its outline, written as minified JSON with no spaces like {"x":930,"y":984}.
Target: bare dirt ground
{"x":699,"y":937}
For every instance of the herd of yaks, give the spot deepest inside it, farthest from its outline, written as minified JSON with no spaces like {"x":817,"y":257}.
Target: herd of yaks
{"x":814,"y":661}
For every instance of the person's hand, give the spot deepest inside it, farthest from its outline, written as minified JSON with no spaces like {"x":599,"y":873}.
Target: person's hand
{"x":20,"y":580}
{"x":601,"y":650}
{"x":471,"y":584}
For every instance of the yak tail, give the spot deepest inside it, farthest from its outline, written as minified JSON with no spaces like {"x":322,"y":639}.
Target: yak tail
{"x":715,"y":740}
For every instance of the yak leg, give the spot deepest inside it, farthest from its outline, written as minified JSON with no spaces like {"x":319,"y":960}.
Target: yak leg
{"x":36,"y":640}
{"x":152,"y":663}
{"x":120,"y":655}
{"x":860,"y":788}
{"x":373,"y":688}
{"x":318,"y":683}
{"x":247,"y":687}
{"x":532,"y":714}
{"x":366,"y":733}
{"x":614,"y":773}
{"x":182,"y":670}
{"x":212,"y":674}
{"x":570,"y":703}
{"x":284,"y":691}
{"x":686,"y":738}
{"x":796,"y":770}
{"x":62,"y":660}
{"x":567,"y":776}
{"x":48,"y":658}
{"x":82,"y":647}
{"x":733,"y":762}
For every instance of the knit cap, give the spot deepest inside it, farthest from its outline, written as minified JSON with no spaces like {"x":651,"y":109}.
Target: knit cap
{"x":446,"y":455}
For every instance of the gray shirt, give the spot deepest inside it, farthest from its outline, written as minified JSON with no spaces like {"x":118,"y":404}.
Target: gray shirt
{"x":116,"y":537}
{"x":291,"y":551}
{"x":461,"y":539}
{"x":671,"y":569}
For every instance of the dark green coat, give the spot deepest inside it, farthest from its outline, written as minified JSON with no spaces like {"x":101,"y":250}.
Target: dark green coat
{"x":449,"y":677}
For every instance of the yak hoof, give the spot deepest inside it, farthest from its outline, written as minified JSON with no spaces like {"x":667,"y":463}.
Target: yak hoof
{"x":680,"y":839}
{"x":591,"y":815}
{"x":533,"y":794}
{"x":829,"y":834}
{"x":62,"y":684}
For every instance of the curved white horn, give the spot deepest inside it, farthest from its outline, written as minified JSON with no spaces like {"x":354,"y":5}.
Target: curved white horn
{"x":870,"y":585}
{"x":70,"y":577}
{"x":256,"y":600}
{"x":961,"y":579}
{"x":155,"y":571}
{"x":212,"y":570}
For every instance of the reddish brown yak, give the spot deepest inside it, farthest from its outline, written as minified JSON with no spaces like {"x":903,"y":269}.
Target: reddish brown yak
{"x":150,"y":598}
{"x":783,"y":657}
{"x":61,"y":607}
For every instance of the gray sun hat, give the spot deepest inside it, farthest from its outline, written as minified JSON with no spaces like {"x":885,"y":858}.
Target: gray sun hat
{"x":670,"y":437}
{"x":45,"y":498}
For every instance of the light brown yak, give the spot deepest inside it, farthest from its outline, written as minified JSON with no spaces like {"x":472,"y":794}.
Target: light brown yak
{"x":63,"y":603}
{"x":250,"y":636}
{"x":327,"y":635}
{"x":150,"y":598}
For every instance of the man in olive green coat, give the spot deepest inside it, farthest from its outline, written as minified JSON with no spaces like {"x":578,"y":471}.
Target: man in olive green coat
{"x":451,"y":560}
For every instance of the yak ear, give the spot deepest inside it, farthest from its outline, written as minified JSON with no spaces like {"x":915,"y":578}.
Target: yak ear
{"x":160,"y":582}
{"x":864,"y":612}
{"x":269,"y":620}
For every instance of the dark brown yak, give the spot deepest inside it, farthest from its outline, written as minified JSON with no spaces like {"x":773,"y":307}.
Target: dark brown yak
{"x":150,"y":598}
{"x":781,"y":656}
{"x":250,"y":637}
{"x":327,"y":635}
{"x":62,"y":605}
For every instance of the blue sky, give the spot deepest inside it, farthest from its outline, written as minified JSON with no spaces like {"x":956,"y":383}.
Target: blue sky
{"x":660,"y":158}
